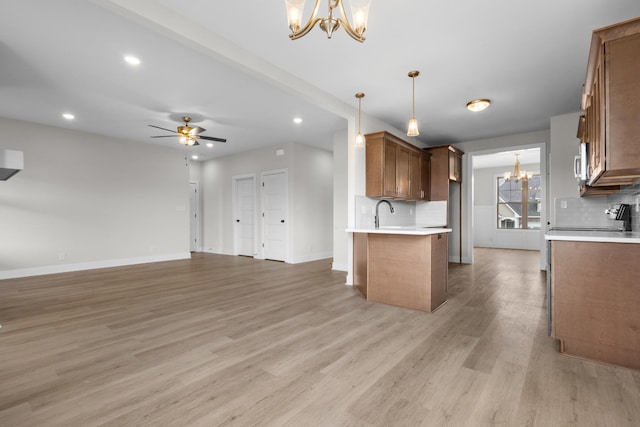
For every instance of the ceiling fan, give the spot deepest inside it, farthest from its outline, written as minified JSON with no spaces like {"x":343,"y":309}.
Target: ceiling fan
{"x":188,"y":135}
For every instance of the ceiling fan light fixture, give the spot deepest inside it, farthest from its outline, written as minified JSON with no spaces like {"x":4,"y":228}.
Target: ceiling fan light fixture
{"x":359,"y":15}
{"x":187,"y":135}
{"x":412,"y":129}
{"x":478,"y":105}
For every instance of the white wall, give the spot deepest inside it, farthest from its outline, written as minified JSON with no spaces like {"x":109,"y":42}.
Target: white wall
{"x":340,"y":202}
{"x":562,"y":150}
{"x":312,"y":204}
{"x":310,"y":174}
{"x":485,"y":231}
{"x":86,"y":201}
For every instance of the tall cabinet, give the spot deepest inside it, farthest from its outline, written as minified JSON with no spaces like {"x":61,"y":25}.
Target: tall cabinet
{"x":446,"y":185}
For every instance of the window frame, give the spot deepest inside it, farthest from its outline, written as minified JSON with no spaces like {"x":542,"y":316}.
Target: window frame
{"x":524,"y":202}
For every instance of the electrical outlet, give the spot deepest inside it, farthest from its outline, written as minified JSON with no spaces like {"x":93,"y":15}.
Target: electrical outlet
{"x":62,"y":256}
{"x":563,"y":204}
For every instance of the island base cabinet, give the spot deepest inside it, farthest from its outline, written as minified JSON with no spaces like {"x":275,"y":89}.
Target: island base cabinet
{"x":407,"y":271}
{"x":596,"y":301}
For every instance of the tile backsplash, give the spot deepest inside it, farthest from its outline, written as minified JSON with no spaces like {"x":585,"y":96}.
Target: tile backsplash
{"x":631,"y":196}
{"x":590,"y":211}
{"x":426,"y":214}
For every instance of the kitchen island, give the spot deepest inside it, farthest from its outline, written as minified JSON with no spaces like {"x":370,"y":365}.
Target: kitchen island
{"x":405,"y":266}
{"x":593,"y":295}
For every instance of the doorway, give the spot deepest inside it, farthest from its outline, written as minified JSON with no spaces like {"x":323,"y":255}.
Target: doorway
{"x":244,"y":213}
{"x":274,"y":214}
{"x":479,"y":212}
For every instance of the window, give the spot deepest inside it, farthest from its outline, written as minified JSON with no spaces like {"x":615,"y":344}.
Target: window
{"x":519,"y":203}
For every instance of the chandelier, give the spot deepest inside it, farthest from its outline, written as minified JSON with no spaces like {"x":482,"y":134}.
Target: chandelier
{"x":359,"y":13}
{"x":517,"y":174}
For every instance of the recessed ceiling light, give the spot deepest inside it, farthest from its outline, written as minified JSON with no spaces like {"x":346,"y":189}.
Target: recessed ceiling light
{"x":132,"y":60}
{"x":68,"y":116}
{"x":210,"y":144}
{"x":194,"y":157}
{"x":297,"y":120}
{"x":478,"y":105}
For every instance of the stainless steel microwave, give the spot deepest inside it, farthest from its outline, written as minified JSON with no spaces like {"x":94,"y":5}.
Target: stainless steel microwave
{"x":581,"y":164}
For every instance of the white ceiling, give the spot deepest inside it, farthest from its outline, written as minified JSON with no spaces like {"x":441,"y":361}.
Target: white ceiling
{"x":236,"y":71}
{"x":507,"y":159}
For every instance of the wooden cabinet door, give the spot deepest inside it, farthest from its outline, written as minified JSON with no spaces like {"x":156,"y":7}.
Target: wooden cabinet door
{"x":390,"y":188}
{"x":415,"y":175}
{"x":622,"y":104}
{"x":455,"y":166}
{"x":402,"y":172}
{"x":425,"y":177}
{"x":596,"y":134}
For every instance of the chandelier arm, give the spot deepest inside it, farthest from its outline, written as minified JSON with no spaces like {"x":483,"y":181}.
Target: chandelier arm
{"x":345,"y":23}
{"x":309,"y":25}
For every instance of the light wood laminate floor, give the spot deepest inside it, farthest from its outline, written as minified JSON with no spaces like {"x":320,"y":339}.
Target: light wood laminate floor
{"x":232,"y":341}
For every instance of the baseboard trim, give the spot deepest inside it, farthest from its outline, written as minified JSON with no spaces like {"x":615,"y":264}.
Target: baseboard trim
{"x":310,"y":257}
{"x":68,"y":268}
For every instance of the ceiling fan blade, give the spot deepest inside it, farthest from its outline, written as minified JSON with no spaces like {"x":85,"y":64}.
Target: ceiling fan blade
{"x":196,"y":130}
{"x":211,"y":138}
{"x":158,"y":127}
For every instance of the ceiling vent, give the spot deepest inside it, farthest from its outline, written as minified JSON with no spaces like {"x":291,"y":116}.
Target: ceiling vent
{"x":11,"y":162}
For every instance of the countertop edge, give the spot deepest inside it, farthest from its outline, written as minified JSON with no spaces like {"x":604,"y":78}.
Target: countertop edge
{"x":601,"y":237}
{"x":415,"y":231}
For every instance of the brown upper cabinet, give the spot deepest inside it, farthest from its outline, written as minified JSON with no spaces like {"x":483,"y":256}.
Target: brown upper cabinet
{"x":446,"y":166}
{"x":611,"y":101}
{"x":395,"y":169}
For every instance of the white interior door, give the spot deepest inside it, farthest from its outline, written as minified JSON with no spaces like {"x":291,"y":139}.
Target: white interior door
{"x":274,"y":204}
{"x":193,"y":216}
{"x":245,"y":216}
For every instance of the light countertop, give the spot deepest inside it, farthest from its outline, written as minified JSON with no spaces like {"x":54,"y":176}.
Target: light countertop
{"x":594,"y":236}
{"x":415,"y":230}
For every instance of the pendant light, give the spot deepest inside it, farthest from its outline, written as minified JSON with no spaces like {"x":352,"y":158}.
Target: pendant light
{"x":413,"y":123}
{"x":360,"y":141}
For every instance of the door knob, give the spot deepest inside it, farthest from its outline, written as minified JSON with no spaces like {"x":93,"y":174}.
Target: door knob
{"x":282,"y":221}
{"x":237,"y":220}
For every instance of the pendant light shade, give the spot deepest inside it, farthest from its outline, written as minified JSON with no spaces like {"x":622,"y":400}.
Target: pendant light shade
{"x":360,"y":140}
{"x":413,"y":123}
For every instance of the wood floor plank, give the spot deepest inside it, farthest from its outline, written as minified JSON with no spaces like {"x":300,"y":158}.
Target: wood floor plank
{"x":232,"y":341}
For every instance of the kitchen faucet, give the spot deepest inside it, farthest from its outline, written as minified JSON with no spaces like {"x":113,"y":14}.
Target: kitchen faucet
{"x":377,"y":218}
